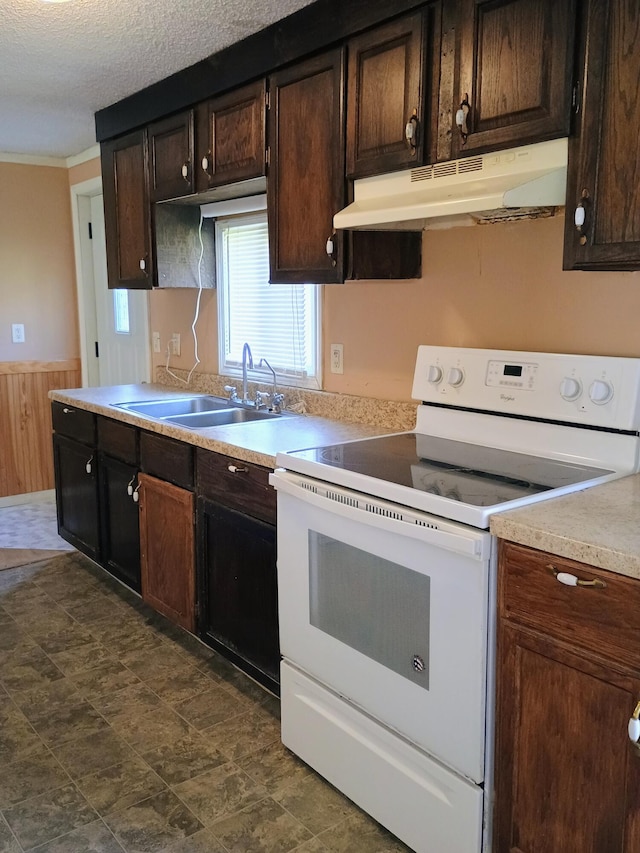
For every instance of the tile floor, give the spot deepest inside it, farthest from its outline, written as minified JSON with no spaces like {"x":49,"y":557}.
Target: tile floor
{"x":31,"y":525}
{"x":119,"y":732}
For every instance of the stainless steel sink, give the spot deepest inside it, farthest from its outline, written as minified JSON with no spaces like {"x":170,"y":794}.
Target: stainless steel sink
{"x":200,"y":420}
{"x":182,"y":406}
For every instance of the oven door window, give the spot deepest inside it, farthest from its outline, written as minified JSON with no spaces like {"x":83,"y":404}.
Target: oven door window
{"x":376,"y":607}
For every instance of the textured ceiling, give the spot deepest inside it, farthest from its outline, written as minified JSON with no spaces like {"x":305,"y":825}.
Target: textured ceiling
{"x":61,"y":62}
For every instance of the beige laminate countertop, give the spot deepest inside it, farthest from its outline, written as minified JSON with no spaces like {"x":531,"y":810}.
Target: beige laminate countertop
{"x":256,"y":442}
{"x":599,"y":526}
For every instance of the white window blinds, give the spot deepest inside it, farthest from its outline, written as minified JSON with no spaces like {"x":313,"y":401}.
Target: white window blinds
{"x":279,"y":322}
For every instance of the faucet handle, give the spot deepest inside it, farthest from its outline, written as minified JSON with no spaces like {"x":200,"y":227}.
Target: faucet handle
{"x":233,"y":393}
{"x":277,"y":402}
{"x":261,"y":396}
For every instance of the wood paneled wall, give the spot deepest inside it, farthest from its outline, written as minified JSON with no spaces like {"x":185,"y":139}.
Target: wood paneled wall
{"x":26,"y":456}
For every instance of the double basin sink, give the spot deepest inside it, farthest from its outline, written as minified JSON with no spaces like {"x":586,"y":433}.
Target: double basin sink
{"x":199,"y":412}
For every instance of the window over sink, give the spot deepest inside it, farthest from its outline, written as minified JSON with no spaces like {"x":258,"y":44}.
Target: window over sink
{"x":280,"y":322}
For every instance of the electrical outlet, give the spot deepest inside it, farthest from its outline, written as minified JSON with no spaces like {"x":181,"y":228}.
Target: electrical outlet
{"x":156,"y":341}
{"x":175,"y":343}
{"x":17,"y":333}
{"x":337,"y":352}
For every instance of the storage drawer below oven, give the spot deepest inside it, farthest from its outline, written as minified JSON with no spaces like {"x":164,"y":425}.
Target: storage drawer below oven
{"x":424,"y":804}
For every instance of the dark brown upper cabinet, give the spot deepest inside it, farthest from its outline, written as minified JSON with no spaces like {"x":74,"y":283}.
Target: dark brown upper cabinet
{"x":171,"y":154}
{"x":513,"y":72}
{"x":386,"y":124}
{"x":127,"y":211}
{"x":305,"y":178}
{"x":602,"y":224}
{"x":231,"y":137}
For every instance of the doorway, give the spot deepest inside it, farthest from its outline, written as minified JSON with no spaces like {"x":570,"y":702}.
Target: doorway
{"x":114,"y":324}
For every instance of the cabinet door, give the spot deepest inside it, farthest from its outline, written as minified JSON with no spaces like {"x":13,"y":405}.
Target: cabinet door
{"x":120,"y":523}
{"x":167,"y":558}
{"x":513,"y":68}
{"x":604,"y":156}
{"x":385,"y":98}
{"x":238,"y":589}
{"x":233,"y":146}
{"x":127,"y":216}
{"x":76,"y":478}
{"x":306,"y":174}
{"x":567,"y":776}
{"x":171,"y":156}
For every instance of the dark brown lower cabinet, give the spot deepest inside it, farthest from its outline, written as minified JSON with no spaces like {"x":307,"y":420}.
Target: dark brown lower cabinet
{"x":76,"y":479}
{"x":567,"y":775}
{"x":120,"y":524}
{"x":238,"y":589}
{"x":167,"y":553}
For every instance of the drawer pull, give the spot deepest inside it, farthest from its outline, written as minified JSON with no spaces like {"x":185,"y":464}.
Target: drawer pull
{"x":634,"y":727}
{"x":236,"y":469}
{"x":67,"y":411}
{"x":572,"y":580}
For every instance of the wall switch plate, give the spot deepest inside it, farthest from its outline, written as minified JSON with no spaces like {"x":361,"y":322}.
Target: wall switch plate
{"x":156,"y":341}
{"x":17,"y":333}
{"x":175,"y":343}
{"x":337,"y":353}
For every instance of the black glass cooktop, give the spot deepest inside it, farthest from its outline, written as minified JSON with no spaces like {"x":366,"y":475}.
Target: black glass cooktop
{"x":470,"y":473}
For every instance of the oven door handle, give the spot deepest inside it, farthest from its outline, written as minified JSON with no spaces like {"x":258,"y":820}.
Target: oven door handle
{"x":466,"y":541}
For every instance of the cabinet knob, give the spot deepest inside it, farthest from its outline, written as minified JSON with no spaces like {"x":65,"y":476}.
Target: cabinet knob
{"x":634,"y":727}
{"x":580,"y":216}
{"x":411,"y":132}
{"x":206,"y":164}
{"x":462,"y":117}
{"x":89,"y":465}
{"x":67,"y":411}
{"x":143,"y":264}
{"x":237,"y":469}
{"x":185,"y":171}
{"x":331,"y":248}
{"x":130,"y":485}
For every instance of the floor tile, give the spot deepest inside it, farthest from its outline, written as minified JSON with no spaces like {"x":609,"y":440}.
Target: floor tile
{"x":220,"y":792}
{"x":123,"y":637}
{"x":17,"y":737}
{"x":85,"y":656}
{"x":175,"y":687}
{"x":29,"y":776}
{"x":44,"y":699}
{"x":70,"y":723}
{"x":242,"y":687}
{"x":210,"y":707}
{"x":95,"y":607}
{"x":177,"y":761}
{"x":360,"y":834}
{"x":152,"y":663}
{"x":12,"y":637}
{"x":151,"y":825}
{"x":132,"y":701}
{"x":313,"y":846}
{"x":153,"y":729}
{"x":92,"y":753}
{"x":93,"y":838}
{"x":315,"y":804}
{"x":49,"y":815}
{"x":200,"y":842}
{"x":70,"y":637}
{"x":8,"y":841}
{"x":28,"y":669}
{"x":274,"y":767}
{"x":103,"y":679}
{"x":262,"y":828}
{"x":244,"y":734}
{"x":120,"y":786}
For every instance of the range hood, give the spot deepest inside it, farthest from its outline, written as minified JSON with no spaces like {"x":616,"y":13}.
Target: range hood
{"x":518,"y":183}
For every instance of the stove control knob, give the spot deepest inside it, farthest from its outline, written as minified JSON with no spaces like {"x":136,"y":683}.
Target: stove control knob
{"x":435,"y":374}
{"x":600,"y":392}
{"x":570,"y":389}
{"x":456,"y":377}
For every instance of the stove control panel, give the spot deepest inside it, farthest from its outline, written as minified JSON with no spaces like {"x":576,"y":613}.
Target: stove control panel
{"x":594,"y":390}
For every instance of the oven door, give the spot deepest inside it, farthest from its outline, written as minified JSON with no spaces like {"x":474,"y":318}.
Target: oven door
{"x":389,"y":608}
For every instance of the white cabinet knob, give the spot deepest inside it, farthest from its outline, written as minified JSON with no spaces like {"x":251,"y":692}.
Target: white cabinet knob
{"x":143,"y":264}
{"x":435,"y":374}
{"x":329,"y":247}
{"x":579,"y":216}
{"x":456,"y":377}
{"x":205,"y":164}
{"x":185,"y":171}
{"x":634,"y":730}
{"x":600,"y":392}
{"x":570,"y":389}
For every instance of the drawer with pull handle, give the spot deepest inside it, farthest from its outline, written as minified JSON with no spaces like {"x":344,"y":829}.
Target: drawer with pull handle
{"x":587,"y":607}
{"x":237,"y":484}
{"x":73,"y":422}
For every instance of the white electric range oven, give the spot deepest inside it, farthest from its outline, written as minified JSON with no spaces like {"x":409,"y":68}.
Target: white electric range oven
{"x":387,"y":575}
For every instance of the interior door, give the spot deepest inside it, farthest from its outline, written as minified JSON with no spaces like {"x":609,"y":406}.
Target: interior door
{"x":122,"y":323}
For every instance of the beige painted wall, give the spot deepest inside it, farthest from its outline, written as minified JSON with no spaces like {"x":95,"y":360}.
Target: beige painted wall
{"x":84,"y":171}
{"x":496,"y":286}
{"x":37,"y":273}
